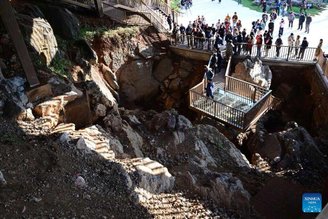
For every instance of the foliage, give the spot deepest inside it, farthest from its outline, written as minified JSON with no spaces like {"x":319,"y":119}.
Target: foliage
{"x":175,"y":5}
{"x":60,"y":66}
{"x":256,"y":7}
{"x":89,"y":33}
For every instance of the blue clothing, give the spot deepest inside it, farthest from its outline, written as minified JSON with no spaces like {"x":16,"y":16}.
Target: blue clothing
{"x":210,"y":89}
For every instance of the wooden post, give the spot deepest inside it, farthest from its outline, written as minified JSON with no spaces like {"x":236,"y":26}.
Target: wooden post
{"x":9,"y":20}
{"x":99,"y":7}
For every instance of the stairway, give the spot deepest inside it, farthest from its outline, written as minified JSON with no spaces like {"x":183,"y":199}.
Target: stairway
{"x":118,"y":12}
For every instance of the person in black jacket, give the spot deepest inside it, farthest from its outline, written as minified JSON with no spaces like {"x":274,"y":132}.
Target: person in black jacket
{"x":271,"y":27}
{"x":182,"y":33}
{"x":278,"y":45}
{"x":301,"y":21}
{"x":303,"y":46}
{"x":169,"y":21}
{"x":307,"y":23}
{"x":189,"y":33}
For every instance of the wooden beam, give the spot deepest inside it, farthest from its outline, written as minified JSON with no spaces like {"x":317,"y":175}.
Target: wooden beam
{"x":9,"y":20}
{"x":99,"y":7}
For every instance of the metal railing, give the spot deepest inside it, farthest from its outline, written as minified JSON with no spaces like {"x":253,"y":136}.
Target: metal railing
{"x":193,"y":42}
{"x":257,"y":110}
{"x":285,"y":53}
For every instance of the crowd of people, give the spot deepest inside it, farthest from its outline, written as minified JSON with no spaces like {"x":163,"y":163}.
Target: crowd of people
{"x":229,"y":33}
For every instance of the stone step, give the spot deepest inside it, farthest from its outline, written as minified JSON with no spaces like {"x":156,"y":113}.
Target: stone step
{"x":64,"y":127}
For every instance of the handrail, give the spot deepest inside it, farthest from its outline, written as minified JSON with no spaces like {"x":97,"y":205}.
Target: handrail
{"x":257,"y":102}
{"x":257,"y":110}
{"x":286,"y":53}
{"x":227,"y":73}
{"x":153,"y":14}
{"x":218,"y":102}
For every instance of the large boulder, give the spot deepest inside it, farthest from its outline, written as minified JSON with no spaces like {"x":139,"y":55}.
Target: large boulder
{"x":163,"y":69}
{"x":153,"y":176}
{"x":40,"y":36}
{"x":254,"y":72}
{"x":136,"y":81}
{"x":225,"y":190}
{"x":63,"y":22}
{"x":100,"y":89}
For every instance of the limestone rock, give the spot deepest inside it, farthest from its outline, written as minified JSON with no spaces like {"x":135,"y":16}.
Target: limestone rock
{"x":254,"y":72}
{"x":65,"y":138}
{"x":229,"y":191}
{"x":145,"y":51}
{"x":154,"y":177}
{"x":26,"y":115}
{"x":109,"y":76}
{"x":100,"y":88}
{"x":183,"y":123}
{"x":40,"y":36}
{"x":114,"y":122}
{"x":39,"y":93}
{"x":77,"y":74}
{"x":136,"y":81}
{"x":163,"y":69}
{"x":134,"y":140}
{"x":2,"y":179}
{"x":271,"y":147}
{"x":86,"y":145}
{"x":101,"y":110}
{"x":80,"y":182}
{"x":63,"y":22}
{"x":116,"y":145}
{"x":175,"y":84}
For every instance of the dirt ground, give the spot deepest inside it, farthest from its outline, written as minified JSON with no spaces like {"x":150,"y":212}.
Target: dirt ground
{"x":41,"y":174}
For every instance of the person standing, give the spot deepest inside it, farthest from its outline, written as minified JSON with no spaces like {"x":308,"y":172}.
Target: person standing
{"x":278,"y":45}
{"x":291,"y":41}
{"x":303,"y":46}
{"x":189,"y":33}
{"x":219,"y":60}
{"x":318,"y":50}
{"x":271,"y":26}
{"x":209,"y":73}
{"x":268,"y":43}
{"x":291,"y":18}
{"x":182,"y":34}
{"x":210,"y":89}
{"x":264,"y":6}
{"x":281,"y":27}
{"x":301,"y":20}
{"x":307,"y":23}
{"x":169,"y":21}
{"x":229,"y":49}
{"x":297,"y":44}
{"x":234,"y":19}
{"x":259,"y":42}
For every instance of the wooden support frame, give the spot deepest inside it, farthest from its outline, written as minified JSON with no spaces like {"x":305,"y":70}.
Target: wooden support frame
{"x":10,"y":22}
{"x":99,"y":7}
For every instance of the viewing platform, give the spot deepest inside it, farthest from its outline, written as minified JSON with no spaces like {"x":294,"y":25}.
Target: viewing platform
{"x":236,"y":102}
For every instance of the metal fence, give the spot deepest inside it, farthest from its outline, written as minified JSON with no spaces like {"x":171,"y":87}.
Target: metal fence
{"x":273,"y":52}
